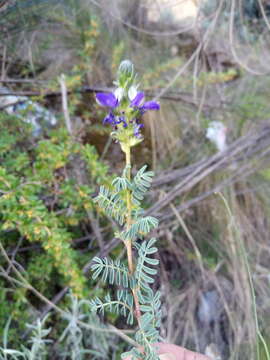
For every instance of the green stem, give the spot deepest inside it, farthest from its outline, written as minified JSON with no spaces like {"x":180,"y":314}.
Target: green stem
{"x":128,"y":242}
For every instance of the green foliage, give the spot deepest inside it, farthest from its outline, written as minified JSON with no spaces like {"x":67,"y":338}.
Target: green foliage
{"x":42,"y":206}
{"x":40,"y":271}
{"x":13,"y":303}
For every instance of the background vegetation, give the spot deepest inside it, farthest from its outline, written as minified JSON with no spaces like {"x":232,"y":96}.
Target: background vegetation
{"x":213,"y":207}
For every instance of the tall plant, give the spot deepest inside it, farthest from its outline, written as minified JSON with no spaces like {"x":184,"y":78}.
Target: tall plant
{"x":134,"y":299}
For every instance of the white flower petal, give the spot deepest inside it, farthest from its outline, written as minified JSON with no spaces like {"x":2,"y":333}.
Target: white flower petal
{"x":132,"y":92}
{"x":119,"y":93}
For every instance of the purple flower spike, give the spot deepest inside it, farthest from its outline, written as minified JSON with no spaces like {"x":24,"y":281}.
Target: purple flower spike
{"x":151,"y":105}
{"x":136,"y":102}
{"x":107,"y":99}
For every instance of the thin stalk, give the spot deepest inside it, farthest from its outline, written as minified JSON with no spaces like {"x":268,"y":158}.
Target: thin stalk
{"x":128,"y":243}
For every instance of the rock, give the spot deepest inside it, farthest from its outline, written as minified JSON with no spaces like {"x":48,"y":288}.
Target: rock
{"x":29,"y":111}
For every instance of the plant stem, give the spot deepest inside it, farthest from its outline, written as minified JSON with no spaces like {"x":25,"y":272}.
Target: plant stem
{"x":129,"y":220}
{"x":128,"y":243}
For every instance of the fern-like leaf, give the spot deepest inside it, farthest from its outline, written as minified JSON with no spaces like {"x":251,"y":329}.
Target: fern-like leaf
{"x":141,"y":227}
{"x":148,"y":333}
{"x":126,"y":297}
{"x":112,"y":271}
{"x":141,"y":184}
{"x":152,"y":306}
{"x":123,"y":307}
{"x":112,"y":204}
{"x":144,"y":273}
{"x":121,"y":183}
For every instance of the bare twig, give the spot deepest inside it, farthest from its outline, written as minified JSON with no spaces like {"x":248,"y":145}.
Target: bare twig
{"x":65,"y":104}
{"x":14,"y":252}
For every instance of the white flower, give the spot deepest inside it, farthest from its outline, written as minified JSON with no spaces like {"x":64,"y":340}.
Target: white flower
{"x":216,"y":133}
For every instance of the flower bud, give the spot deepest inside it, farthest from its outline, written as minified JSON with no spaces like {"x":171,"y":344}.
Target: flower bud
{"x":126,"y":68}
{"x":125,"y":76}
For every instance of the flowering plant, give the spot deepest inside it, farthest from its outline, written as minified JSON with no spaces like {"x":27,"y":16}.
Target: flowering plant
{"x":126,"y":106}
{"x":134,"y":297}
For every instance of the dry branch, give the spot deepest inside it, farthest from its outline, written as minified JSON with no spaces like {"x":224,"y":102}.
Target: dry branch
{"x":176,"y":96}
{"x":237,"y":159}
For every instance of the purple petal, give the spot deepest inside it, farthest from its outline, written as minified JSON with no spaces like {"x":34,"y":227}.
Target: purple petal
{"x":123,"y":120}
{"x":107,"y":99}
{"x":109,"y":119}
{"x":151,"y":105}
{"x":137,"y":129}
{"x":137,"y":100}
